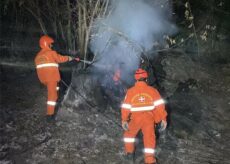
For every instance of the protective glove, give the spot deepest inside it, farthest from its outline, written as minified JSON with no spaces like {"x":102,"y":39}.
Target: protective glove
{"x":70,"y":58}
{"x":77,"y":59}
{"x":125,"y":125}
{"x":163,"y":125}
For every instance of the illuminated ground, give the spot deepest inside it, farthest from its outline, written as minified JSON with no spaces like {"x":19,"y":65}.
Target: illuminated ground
{"x":198,"y":133}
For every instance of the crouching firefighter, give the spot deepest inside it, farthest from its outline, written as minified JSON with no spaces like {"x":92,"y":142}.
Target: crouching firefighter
{"x":142,"y":109}
{"x":46,"y":62}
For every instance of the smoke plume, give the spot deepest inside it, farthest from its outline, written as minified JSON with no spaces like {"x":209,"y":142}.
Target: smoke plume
{"x":130,"y":29}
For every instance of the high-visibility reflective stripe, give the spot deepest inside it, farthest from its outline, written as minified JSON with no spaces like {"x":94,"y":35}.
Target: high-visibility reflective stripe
{"x":47,"y":65}
{"x":52,"y":103}
{"x":145,"y":108}
{"x":129,"y":140}
{"x":57,"y":88}
{"x":149,"y":150}
{"x":127,"y":106}
{"x":158,"y":102}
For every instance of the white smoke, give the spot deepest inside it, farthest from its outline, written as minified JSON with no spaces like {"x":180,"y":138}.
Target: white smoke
{"x":130,"y":29}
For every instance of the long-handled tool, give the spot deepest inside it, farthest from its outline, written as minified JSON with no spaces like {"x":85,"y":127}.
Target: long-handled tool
{"x":100,"y":66}
{"x":84,"y":61}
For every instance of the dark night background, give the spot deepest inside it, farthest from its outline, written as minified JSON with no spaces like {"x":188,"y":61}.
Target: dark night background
{"x":190,"y":66}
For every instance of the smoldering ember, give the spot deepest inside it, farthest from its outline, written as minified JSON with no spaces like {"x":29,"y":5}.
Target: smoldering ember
{"x":115,"y":82}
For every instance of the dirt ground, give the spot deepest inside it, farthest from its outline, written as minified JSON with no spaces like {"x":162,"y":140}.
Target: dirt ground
{"x":86,"y":136}
{"x":26,"y":137}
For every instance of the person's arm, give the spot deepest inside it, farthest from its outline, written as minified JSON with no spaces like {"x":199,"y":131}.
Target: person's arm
{"x":61,"y":58}
{"x":125,"y":111}
{"x":159,"y":111}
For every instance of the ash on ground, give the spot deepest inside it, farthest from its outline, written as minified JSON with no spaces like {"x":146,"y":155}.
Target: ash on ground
{"x":88,"y":131}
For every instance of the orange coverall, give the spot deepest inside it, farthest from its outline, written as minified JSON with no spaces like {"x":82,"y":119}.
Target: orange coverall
{"x":145,"y":107}
{"x":48,"y":73}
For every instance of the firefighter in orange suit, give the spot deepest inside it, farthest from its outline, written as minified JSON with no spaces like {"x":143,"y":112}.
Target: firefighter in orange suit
{"x":48,"y":73}
{"x":142,"y":109}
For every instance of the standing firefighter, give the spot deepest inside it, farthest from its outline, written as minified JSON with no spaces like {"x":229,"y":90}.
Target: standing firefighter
{"x":142,"y":109}
{"x":48,"y":73}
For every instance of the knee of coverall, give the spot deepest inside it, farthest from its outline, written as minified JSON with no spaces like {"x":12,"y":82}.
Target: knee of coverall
{"x":129,"y":141}
{"x":129,"y":136}
{"x":149,"y":142}
{"x":52,"y":97}
{"x":52,"y":91}
{"x":149,"y":136}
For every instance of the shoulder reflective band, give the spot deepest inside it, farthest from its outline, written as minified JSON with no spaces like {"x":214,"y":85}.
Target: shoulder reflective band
{"x":129,"y":140}
{"x":52,"y":103}
{"x":127,"y":106}
{"x":158,"y":102}
{"x":145,"y":108}
{"x":47,"y":65}
{"x":149,"y":150}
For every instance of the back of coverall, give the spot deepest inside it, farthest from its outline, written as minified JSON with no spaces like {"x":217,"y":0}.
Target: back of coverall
{"x":145,"y":107}
{"x":48,"y":73}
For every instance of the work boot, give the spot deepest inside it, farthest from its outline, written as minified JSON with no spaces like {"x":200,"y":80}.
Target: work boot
{"x":129,"y":157}
{"x":50,"y":118}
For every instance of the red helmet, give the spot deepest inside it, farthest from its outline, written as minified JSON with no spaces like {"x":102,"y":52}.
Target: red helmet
{"x":45,"y":42}
{"x":140,"y":73}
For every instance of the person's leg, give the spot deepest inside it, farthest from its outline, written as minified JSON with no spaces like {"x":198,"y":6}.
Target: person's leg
{"x":59,"y":98}
{"x":129,"y":137}
{"x":52,"y":97}
{"x":149,"y":142}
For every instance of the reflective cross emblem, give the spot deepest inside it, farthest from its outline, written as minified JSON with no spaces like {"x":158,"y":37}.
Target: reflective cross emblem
{"x":141,"y":99}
